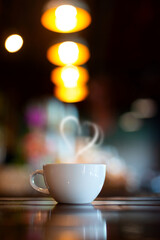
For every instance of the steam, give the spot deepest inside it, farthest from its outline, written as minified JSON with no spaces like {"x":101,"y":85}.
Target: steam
{"x":92,"y":141}
{"x":62,"y":129}
{"x":101,"y":137}
{"x":96,"y":130}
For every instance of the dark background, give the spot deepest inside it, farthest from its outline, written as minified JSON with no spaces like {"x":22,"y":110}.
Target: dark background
{"x":123,"y":39}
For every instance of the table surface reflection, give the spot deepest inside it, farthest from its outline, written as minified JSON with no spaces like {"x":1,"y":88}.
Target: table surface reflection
{"x":134,"y":218}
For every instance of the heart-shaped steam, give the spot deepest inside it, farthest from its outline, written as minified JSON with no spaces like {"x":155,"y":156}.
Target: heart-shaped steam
{"x":76,"y":121}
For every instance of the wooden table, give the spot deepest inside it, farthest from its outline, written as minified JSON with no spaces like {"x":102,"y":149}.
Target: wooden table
{"x":106,"y":218}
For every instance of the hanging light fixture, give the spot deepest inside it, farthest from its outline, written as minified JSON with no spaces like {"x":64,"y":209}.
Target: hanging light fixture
{"x":66,"y":16}
{"x":69,"y":76}
{"x":68,"y":52}
{"x":70,"y":95}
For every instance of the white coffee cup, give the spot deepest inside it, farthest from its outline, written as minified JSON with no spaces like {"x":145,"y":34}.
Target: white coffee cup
{"x":71,"y":182}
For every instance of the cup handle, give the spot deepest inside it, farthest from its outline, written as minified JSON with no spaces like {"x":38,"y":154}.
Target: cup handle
{"x":39,"y":189}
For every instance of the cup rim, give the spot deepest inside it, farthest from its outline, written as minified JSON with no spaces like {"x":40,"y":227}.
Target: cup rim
{"x":71,"y":163}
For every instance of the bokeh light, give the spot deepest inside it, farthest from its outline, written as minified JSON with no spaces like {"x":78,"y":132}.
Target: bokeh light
{"x":68,"y":52}
{"x":13,"y":43}
{"x":144,"y":108}
{"x":71,"y":95}
{"x":65,"y":18}
{"x":129,"y":123}
{"x":35,"y":116}
{"x":69,"y":76}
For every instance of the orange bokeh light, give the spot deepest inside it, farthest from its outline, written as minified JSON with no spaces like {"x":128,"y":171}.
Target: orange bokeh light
{"x":71,"y":95}
{"x":76,"y":76}
{"x":68,"y":52}
{"x":66,"y":20}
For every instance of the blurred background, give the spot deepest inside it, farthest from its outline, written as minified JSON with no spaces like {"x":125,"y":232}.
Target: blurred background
{"x":119,"y":91}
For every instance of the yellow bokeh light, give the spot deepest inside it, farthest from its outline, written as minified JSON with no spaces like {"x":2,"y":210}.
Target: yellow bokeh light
{"x":69,"y":76}
{"x":68,"y":52}
{"x":13,"y":43}
{"x":71,"y":95}
{"x":65,"y":18}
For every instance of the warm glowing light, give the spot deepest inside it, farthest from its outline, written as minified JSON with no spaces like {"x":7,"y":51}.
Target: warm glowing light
{"x":129,"y":122}
{"x":71,"y":95}
{"x":68,"y":52}
{"x":13,"y":43}
{"x":69,"y":76}
{"x":65,"y":18}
